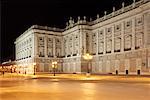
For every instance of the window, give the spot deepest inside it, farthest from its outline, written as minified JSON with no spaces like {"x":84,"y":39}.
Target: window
{"x":118,"y":27}
{"x":41,"y":54}
{"x":50,"y":39}
{"x":138,"y":40}
{"x":139,"y":21}
{"x":40,"y":38}
{"x":76,"y":37}
{"x":57,"y":40}
{"x":109,"y":30}
{"x":128,"y":24}
{"x":128,"y":42}
{"x":101,"y":32}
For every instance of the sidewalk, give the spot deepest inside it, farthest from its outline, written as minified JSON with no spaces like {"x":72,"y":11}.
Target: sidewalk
{"x":78,"y":77}
{"x":14,"y":76}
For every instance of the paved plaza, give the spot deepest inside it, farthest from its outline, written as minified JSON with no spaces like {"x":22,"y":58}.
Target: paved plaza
{"x":74,"y":87}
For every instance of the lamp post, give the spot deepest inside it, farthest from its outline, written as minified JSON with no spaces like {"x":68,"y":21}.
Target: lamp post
{"x":54,"y":66}
{"x":34,"y":64}
{"x":88,"y":57}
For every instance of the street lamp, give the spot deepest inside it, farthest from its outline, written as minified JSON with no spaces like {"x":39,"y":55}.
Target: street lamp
{"x":88,"y":57}
{"x":34,"y":64}
{"x":54,"y":66}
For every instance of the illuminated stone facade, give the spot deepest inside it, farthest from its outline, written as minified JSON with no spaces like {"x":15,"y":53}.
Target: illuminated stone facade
{"x":119,"y":43}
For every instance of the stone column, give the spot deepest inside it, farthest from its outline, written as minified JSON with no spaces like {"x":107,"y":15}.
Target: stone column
{"x":34,"y":45}
{"x":62,"y":47}
{"x":133,"y":34}
{"x":65,"y":51}
{"x":104,"y":41}
{"x":84,"y":42}
{"x":113,"y":31}
{"x":146,"y":29}
{"x":80,"y":43}
{"x":97,"y":43}
{"x":16,"y":51}
{"x":122,"y":36}
{"x":54,"y":46}
{"x":90,"y":43}
{"x":73,"y":40}
{"x":147,"y":36}
{"x":45,"y":45}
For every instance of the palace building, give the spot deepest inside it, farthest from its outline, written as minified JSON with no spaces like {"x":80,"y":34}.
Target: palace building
{"x":119,"y":43}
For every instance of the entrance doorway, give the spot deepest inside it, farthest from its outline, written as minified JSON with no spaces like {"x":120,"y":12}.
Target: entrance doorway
{"x":127,"y":72}
{"x":116,"y":72}
{"x":138,"y":72}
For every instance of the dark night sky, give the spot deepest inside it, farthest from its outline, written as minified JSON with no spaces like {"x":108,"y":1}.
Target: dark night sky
{"x":19,"y":15}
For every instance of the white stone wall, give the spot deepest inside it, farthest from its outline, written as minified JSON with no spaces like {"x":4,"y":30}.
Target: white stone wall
{"x":118,"y":43}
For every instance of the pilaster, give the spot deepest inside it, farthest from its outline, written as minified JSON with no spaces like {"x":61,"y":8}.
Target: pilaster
{"x":104,"y":41}
{"x":133,"y":34}
{"x":45,"y":45}
{"x":54,"y":48}
{"x":113,"y":31}
{"x":97,"y":45}
{"x":146,"y":29}
{"x":62,"y":47}
{"x":84,"y":42}
{"x":90,"y":43}
{"x":122,"y":36}
{"x":80,"y":42}
{"x":72,"y":36}
{"x":35,"y":45}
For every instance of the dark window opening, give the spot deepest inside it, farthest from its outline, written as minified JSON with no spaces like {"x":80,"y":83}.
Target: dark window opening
{"x":139,"y":21}
{"x":127,"y":49}
{"x":108,"y":51}
{"x":50,"y":56}
{"x":138,"y":72}
{"x":40,"y":38}
{"x":94,"y":54}
{"x":68,"y":55}
{"x":41,"y":55}
{"x":116,"y":50}
{"x":118,"y":28}
{"x":109,"y":29}
{"x":74,"y":54}
{"x":137,"y":47}
{"x":128,"y":24}
{"x":62,"y":56}
{"x":127,"y":72}
{"x":116,"y":72}
{"x":100,"y":53}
